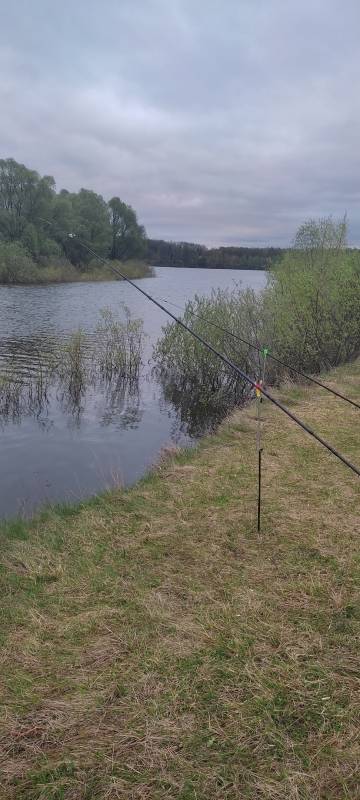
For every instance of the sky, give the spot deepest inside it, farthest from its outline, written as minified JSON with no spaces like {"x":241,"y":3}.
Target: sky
{"x":224,"y":122}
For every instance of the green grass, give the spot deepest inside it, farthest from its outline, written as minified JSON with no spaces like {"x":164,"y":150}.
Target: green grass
{"x":154,"y":646}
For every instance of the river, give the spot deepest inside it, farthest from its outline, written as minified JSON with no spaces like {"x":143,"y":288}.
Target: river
{"x":62,"y":454}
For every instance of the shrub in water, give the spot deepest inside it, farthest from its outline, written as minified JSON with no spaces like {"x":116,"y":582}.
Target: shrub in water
{"x":193,"y":377}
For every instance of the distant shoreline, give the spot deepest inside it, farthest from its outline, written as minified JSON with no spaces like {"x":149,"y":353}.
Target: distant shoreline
{"x":50,"y":276}
{"x":53,"y":274}
{"x":212,"y":266}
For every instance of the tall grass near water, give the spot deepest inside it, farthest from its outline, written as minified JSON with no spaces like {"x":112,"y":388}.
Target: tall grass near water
{"x":119,"y":344}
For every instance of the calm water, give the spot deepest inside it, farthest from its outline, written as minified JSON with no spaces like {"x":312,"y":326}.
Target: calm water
{"x":62,"y":453}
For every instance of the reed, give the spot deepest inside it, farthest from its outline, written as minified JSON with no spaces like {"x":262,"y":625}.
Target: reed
{"x":11,"y":396}
{"x":119,"y":346}
{"x":110,"y":361}
{"x":72,"y":367}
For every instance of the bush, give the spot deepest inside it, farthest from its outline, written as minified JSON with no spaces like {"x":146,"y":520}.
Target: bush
{"x":313,"y":301}
{"x":57,"y":270}
{"x":133,"y":268}
{"x":194,"y":378}
{"x":16,"y":265}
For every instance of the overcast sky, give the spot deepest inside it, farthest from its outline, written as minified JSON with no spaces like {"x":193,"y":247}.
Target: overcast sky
{"x":220,"y":121}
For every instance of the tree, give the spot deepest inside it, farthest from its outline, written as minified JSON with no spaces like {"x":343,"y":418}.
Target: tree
{"x":84,"y":214}
{"x":319,"y":241}
{"x":18,"y":186}
{"x":127,"y":236}
{"x":25,"y":199}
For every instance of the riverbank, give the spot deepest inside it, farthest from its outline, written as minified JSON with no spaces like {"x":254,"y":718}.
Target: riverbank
{"x":67,"y":273}
{"x":153,"y":646}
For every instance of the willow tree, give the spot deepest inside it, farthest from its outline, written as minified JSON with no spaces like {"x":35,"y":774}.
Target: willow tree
{"x":127,"y":236}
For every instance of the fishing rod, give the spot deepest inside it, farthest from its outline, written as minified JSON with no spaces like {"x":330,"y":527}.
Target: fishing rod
{"x":268,"y":354}
{"x":255,"y":385}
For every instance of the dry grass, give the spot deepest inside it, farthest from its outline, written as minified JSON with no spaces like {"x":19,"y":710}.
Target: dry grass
{"x":153,"y":646}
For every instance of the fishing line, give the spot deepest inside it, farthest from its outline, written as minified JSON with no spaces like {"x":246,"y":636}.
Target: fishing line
{"x":255,"y":385}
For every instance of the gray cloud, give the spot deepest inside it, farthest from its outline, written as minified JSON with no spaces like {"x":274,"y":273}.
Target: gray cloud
{"x":220,"y":121}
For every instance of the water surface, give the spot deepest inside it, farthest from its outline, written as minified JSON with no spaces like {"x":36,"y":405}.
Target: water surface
{"x":65,"y":453}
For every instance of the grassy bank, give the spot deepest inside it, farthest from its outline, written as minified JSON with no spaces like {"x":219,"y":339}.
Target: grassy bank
{"x":67,"y":273}
{"x":153,"y":646}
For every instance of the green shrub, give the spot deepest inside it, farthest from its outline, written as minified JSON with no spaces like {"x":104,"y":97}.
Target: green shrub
{"x":133,"y":268}
{"x":194,"y":379}
{"x":16,"y":265}
{"x":313,"y":301}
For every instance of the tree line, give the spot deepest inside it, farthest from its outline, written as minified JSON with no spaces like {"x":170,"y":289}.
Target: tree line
{"x":183,"y":254}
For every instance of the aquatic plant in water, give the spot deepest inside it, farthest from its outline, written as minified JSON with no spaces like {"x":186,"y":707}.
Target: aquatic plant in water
{"x":22,"y":395}
{"x":110,"y":360}
{"x":73,"y":366}
{"x":119,"y":344}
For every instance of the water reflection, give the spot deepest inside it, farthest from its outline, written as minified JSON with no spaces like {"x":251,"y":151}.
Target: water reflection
{"x":202,"y":392}
{"x":195,"y":416}
{"x":38,"y":383}
{"x":121,"y":405}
